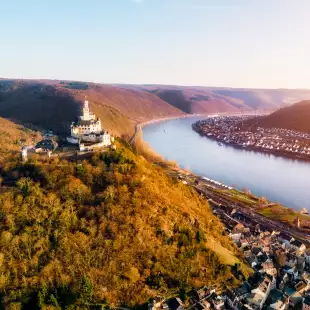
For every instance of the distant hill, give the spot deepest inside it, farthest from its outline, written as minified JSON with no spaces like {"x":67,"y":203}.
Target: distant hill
{"x":295,"y":117}
{"x":55,"y":104}
{"x":52,"y":104}
{"x":198,"y":100}
{"x":212,"y":99}
{"x":265,"y":99}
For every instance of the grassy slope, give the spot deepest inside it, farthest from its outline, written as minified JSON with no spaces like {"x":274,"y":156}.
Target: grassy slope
{"x":117,"y":220}
{"x":294,"y":117}
{"x":283,"y":214}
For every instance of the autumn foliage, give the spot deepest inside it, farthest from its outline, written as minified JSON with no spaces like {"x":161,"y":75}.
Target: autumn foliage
{"x":112,"y":230}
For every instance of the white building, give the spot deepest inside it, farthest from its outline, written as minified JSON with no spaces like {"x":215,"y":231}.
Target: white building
{"x":88,"y":129}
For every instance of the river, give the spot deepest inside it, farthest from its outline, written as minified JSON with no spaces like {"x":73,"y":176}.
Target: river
{"x":281,"y":180}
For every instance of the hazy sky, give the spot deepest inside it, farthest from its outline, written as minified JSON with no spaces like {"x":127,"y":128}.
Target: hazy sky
{"x":237,"y":43}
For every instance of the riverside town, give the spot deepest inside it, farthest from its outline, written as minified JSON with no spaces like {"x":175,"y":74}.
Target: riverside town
{"x":235,"y":131}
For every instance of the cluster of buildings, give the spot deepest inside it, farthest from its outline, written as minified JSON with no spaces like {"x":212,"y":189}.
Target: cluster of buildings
{"x":231,"y":130}
{"x":281,"y":265}
{"x":198,"y":299}
{"x":87,"y":131}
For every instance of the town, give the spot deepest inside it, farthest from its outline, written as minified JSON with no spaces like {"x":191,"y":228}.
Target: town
{"x":280,"y":262}
{"x":234,"y":130}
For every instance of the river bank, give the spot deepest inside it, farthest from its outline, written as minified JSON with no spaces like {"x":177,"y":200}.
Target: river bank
{"x":270,"y":216}
{"x":282,"y":214}
{"x":140,"y":126}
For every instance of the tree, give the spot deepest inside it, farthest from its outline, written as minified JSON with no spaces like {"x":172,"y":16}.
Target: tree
{"x":86,"y":291}
{"x":132,"y":274}
{"x":25,"y":185}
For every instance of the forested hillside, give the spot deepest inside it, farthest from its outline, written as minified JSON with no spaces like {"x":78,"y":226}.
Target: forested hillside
{"x":112,"y":230}
{"x":55,"y":104}
{"x":295,"y":117}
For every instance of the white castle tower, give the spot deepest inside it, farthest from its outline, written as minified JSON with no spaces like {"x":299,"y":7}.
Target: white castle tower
{"x":88,"y":129}
{"x":87,"y":115}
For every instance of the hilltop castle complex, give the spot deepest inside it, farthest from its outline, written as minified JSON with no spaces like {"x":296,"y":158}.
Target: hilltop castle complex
{"x":88,"y":129}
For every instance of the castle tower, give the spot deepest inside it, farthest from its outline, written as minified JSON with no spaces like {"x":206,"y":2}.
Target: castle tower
{"x":86,"y":111}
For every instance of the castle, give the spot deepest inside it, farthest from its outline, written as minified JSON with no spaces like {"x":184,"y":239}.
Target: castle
{"x":88,"y":129}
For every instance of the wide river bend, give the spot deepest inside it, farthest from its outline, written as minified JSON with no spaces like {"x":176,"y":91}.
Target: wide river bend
{"x":281,"y":180}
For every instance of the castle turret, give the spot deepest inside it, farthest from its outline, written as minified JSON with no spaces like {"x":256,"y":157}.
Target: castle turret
{"x":87,"y":115}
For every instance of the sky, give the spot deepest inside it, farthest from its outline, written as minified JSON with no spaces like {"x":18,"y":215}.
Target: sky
{"x":231,"y":43}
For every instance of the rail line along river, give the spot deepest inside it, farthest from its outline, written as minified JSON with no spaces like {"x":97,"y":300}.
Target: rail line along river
{"x":281,"y":180}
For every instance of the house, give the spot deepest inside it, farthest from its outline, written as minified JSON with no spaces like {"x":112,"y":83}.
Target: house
{"x":301,"y":287}
{"x":261,"y":285}
{"x":306,"y":303}
{"x":269,"y":268}
{"x":291,"y":271}
{"x":175,"y":304}
{"x":202,"y":305}
{"x":284,"y":238}
{"x":297,"y":245}
{"x":291,"y":260}
{"x":217,"y":302}
{"x":46,"y":145}
{"x":238,"y":295}
{"x":295,"y":301}
{"x":276,"y":300}
{"x":200,"y":294}
{"x":301,"y":263}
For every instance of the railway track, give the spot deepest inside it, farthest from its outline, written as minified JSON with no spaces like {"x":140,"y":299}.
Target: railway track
{"x":226,"y":201}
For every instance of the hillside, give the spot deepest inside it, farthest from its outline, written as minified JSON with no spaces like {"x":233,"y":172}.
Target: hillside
{"x":196,"y":101}
{"x":112,"y":230}
{"x":55,"y":104}
{"x":12,"y":136}
{"x":295,"y":117}
{"x":212,"y":99}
